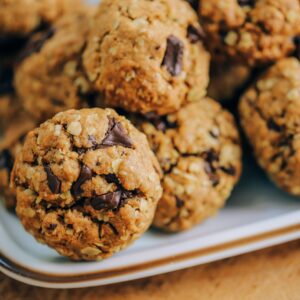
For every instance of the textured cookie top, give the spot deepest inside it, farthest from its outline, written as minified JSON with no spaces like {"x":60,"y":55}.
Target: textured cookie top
{"x":259,"y":31}
{"x":20,"y":17}
{"x":50,"y":78}
{"x":269,"y":113}
{"x":199,"y":151}
{"x":145,"y":55}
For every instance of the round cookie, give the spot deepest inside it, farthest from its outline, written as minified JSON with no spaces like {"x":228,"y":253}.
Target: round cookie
{"x":269,"y":114}
{"x":50,"y":78}
{"x":199,"y":151}
{"x":87,"y":183}
{"x":227,"y":80}
{"x":144,"y":56}
{"x":10,"y":145}
{"x":20,"y":17}
{"x":256,"y":32}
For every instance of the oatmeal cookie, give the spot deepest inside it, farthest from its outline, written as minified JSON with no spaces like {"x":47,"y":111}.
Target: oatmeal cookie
{"x":269,"y":114}
{"x":257,"y":32}
{"x":199,"y":151}
{"x":147,"y":56}
{"x":87,"y":183}
{"x":50,"y":78}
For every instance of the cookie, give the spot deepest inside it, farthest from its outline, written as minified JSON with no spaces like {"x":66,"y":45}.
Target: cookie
{"x":18,"y":18}
{"x":10,"y":145}
{"x":144,"y":56}
{"x":199,"y":151}
{"x":227,"y":80}
{"x":256,"y":32}
{"x":87,"y":183}
{"x":269,"y":114}
{"x":50,"y":78}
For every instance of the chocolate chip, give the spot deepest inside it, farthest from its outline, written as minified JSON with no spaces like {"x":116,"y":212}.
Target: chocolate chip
{"x":173,"y":55}
{"x":211,"y":156}
{"x":112,"y":178}
{"x":230,"y":170}
{"x":297,"y":46}
{"x":51,"y":227}
{"x":116,"y":135}
{"x":6,"y":160}
{"x":179,"y":202}
{"x":108,"y":201}
{"x":6,"y":80}
{"x":211,"y":172}
{"x":53,"y":182}
{"x":92,"y":139}
{"x":195,"y":34}
{"x":246,"y":2}
{"x":194,"y":4}
{"x":85,"y":174}
{"x":36,"y":43}
{"x":273,"y":126}
{"x":161,"y":123}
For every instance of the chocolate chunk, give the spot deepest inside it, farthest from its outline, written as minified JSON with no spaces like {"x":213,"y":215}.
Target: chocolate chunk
{"x":51,"y":227}
{"x":92,"y":139}
{"x":211,"y":156}
{"x":6,"y":80}
{"x":211,"y":172}
{"x":108,"y":201}
{"x":273,"y":126}
{"x":36,"y":43}
{"x":173,"y":55}
{"x":161,"y":123}
{"x":179,"y":202}
{"x":6,"y":160}
{"x":230,"y":170}
{"x":297,"y":46}
{"x":246,"y":2}
{"x":53,"y":182}
{"x":112,"y":178}
{"x":194,"y":4}
{"x":116,"y":135}
{"x":195,"y":34}
{"x":85,"y":174}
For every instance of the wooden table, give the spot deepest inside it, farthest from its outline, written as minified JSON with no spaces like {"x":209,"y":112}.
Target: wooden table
{"x":268,"y":274}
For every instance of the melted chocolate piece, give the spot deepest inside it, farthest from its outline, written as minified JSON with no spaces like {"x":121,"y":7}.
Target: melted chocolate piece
{"x":116,"y":135}
{"x":179,"y":202}
{"x":36,"y":43}
{"x":246,"y":2}
{"x":160,"y":122}
{"x":108,"y":201}
{"x":85,"y":174}
{"x":52,"y":226}
{"x":195,"y":34}
{"x":210,"y":171}
{"x":194,"y":4}
{"x":53,"y":182}
{"x":6,"y":80}
{"x":230,"y":170}
{"x":297,"y":46}
{"x":273,"y":126}
{"x":173,"y":55}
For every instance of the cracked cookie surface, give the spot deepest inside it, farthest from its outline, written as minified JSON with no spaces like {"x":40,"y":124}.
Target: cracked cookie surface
{"x":87,"y":183}
{"x":257,"y":32}
{"x":147,"y":56}
{"x":269,"y":114}
{"x":20,"y":17}
{"x":199,"y":151}
{"x":50,"y":78}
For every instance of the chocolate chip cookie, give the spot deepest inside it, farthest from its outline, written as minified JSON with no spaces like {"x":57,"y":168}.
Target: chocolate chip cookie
{"x":11,"y":140}
{"x":227,"y":80}
{"x":147,"y":56}
{"x":257,"y":32}
{"x":20,"y":17}
{"x":50,"y":78}
{"x":270,"y":113}
{"x":199,"y":151}
{"x":87,"y":183}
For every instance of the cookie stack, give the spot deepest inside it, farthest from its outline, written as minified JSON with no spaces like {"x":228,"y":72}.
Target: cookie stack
{"x":121,"y":131}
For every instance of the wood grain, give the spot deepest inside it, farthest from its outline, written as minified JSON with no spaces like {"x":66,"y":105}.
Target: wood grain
{"x":272,"y":273}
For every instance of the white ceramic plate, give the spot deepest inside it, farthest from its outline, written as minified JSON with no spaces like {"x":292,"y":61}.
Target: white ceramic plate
{"x":257,"y":215}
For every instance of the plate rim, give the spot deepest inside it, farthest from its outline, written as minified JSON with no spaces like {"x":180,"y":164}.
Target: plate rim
{"x":162,"y":265}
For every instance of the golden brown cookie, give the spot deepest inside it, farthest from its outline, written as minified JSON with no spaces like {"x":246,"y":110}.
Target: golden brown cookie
{"x":87,"y":183}
{"x":50,"y":78}
{"x":256,"y":32}
{"x":269,"y":114}
{"x":199,"y":151}
{"x":147,"y":56}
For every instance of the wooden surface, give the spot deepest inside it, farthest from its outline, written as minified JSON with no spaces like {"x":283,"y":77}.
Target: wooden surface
{"x":269,"y":274}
